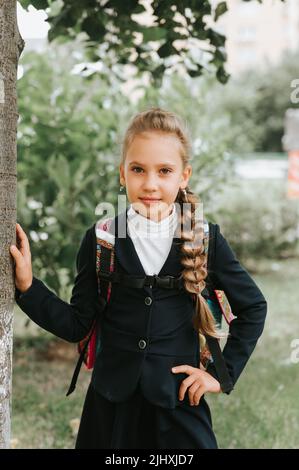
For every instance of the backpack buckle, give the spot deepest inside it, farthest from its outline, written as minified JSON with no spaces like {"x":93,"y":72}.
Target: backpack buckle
{"x":151,"y":280}
{"x":167,"y":282}
{"x":105,"y":275}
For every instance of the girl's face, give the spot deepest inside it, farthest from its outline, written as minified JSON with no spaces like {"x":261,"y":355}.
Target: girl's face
{"x":153,"y":173}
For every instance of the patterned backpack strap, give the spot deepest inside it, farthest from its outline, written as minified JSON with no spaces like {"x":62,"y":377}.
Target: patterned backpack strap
{"x":104,"y":261}
{"x":211,"y":351}
{"x":104,"y":257}
{"x":206,"y":236}
{"x":104,"y":233}
{"x":90,"y":345}
{"x":105,"y":241}
{"x":222,"y":308}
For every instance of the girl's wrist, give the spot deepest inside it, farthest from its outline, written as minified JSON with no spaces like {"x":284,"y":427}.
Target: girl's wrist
{"x":25,"y":288}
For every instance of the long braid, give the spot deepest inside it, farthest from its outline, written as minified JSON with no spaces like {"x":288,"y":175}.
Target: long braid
{"x":194,"y":262}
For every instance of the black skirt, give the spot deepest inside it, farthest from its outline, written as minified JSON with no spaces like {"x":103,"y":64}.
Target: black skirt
{"x":139,"y":424}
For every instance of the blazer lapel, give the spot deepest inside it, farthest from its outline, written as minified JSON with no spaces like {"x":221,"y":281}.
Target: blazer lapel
{"x":124,"y":247}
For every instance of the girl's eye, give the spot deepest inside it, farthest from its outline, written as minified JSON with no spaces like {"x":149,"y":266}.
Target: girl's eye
{"x":139,"y":168}
{"x":136,"y":168}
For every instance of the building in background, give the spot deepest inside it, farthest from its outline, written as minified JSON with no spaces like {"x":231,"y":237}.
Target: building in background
{"x":258,"y":34}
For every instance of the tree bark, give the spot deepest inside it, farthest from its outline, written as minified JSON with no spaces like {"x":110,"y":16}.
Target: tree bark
{"x":11,"y":46}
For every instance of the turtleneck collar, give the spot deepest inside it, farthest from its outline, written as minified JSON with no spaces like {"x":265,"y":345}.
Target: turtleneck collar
{"x":140,"y":225}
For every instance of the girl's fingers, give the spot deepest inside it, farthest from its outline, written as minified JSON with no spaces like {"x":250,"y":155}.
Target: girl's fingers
{"x":23,"y":240}
{"x":197,"y":395}
{"x":17,"y":255}
{"x":184,"y":386}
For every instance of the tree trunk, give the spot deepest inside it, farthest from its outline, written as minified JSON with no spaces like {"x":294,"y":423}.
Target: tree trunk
{"x":11,"y":46}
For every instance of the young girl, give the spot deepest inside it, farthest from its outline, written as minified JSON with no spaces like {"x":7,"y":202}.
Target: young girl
{"x":136,"y":398}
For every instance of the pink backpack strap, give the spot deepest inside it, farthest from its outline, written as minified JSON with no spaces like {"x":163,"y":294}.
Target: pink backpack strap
{"x":103,"y":234}
{"x":106,"y":239}
{"x":224,"y":306}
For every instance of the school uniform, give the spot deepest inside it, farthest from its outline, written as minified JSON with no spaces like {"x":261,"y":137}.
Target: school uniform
{"x":132,"y":400}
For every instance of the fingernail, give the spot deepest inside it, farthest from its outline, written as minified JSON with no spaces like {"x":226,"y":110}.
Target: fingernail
{"x":174,"y":369}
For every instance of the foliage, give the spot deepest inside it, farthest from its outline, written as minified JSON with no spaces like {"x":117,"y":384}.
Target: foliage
{"x":68,"y":138}
{"x":254,"y":105}
{"x":114,"y":33}
{"x":258,"y":222}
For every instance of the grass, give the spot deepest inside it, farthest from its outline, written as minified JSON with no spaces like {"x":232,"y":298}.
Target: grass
{"x":42,"y":416}
{"x":262,"y":411}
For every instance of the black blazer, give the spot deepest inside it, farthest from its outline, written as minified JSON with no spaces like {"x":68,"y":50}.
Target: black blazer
{"x":147,"y":331}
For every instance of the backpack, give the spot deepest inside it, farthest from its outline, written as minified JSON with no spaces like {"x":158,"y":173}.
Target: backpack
{"x":89,"y":347}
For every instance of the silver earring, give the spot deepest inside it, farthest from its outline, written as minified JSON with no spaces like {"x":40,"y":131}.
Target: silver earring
{"x":185,"y":193}
{"x":121,"y":188}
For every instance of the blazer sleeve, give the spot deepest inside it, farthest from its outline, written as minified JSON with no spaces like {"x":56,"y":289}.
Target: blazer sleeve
{"x":70,"y":321}
{"x":247,"y":303}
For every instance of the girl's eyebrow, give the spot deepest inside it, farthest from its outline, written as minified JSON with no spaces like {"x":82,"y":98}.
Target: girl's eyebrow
{"x":159,"y":164}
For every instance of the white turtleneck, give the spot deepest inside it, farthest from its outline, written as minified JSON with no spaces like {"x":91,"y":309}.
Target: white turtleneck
{"x":152,"y":240}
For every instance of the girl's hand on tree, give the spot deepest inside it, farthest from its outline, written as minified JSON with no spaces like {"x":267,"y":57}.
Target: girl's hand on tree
{"x":199,"y":382}
{"x":22,"y":257}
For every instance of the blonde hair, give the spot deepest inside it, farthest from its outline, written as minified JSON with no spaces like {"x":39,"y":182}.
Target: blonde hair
{"x":193,"y":260}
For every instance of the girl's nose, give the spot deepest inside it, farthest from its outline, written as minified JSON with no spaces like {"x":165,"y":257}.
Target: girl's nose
{"x":150,"y":184}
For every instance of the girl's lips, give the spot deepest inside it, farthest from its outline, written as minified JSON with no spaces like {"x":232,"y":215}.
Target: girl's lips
{"x":149,"y":200}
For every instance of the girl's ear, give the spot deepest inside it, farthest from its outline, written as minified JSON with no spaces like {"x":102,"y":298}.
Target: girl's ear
{"x":186,"y":174}
{"x":121,"y":174}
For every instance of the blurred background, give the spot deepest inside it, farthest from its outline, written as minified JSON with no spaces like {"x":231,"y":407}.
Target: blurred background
{"x":69,"y":139}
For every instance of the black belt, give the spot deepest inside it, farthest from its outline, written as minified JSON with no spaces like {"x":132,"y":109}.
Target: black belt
{"x":165,"y":282}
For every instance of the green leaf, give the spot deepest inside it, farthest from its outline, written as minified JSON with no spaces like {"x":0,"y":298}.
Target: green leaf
{"x":195,"y":73}
{"x":166,"y":50}
{"x":93,"y":27}
{"x":219,"y":57}
{"x":220,"y":10}
{"x":216,"y":38}
{"x":38,"y":4}
{"x":158,"y":71}
{"x":154,"y":33}
{"x":201,"y":34}
{"x":139,"y":9}
{"x":222,"y":75}
{"x":57,"y":32}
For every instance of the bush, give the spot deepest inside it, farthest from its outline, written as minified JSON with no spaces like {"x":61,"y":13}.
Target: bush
{"x":258,"y":220}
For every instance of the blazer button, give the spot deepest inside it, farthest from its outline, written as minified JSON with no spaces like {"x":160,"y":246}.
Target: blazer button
{"x":142,"y":344}
{"x":148,"y":300}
